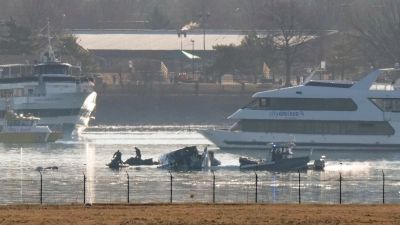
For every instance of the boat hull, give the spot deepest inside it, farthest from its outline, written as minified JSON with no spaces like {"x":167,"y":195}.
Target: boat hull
{"x":30,"y":137}
{"x":279,"y":165}
{"x":116,"y":165}
{"x":139,"y":162}
{"x":225,"y":139}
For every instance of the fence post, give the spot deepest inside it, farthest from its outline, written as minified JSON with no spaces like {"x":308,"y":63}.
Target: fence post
{"x":128,"y":184}
{"x":84,"y":188}
{"x":41,"y":188}
{"x":383,"y":188}
{"x":171,"y":184}
{"x":299,"y":187}
{"x":213,"y":187}
{"x":256,"y":184}
{"x":340,"y":188}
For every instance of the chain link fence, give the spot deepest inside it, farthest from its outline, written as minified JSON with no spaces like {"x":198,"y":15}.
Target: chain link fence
{"x":206,"y":187}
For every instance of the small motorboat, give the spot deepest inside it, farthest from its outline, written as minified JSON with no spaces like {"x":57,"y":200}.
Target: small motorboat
{"x":188,"y":158}
{"x":115,"y":164}
{"x":318,"y":164}
{"x":133,"y":161}
{"x":282,"y":159}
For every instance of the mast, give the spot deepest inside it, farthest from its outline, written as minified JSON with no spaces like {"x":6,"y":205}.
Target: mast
{"x":48,"y":55}
{"x":48,"y":37}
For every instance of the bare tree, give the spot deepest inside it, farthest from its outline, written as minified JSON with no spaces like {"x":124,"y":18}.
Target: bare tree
{"x":157,"y":19}
{"x":344,"y":56}
{"x":36,"y":12}
{"x":297,"y":24}
{"x":251,"y":12}
{"x":378,"y":27}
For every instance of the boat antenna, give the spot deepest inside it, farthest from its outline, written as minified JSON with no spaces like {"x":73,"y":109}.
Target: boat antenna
{"x":48,"y":33}
{"x":48,"y":54}
{"x":49,"y":48}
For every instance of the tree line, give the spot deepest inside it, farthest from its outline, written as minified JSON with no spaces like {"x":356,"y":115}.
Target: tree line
{"x":365,"y":39}
{"x":368,"y":29}
{"x":134,"y":14}
{"x":21,"y":39}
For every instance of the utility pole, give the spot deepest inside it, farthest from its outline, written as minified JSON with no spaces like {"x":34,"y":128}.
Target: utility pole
{"x":192,"y":58}
{"x":180,"y":34}
{"x":204,"y":17}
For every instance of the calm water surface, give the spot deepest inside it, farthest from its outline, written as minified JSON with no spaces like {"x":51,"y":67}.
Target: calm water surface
{"x":362,"y":172}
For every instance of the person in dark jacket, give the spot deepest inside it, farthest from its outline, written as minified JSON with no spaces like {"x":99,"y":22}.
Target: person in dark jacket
{"x":138,"y":155}
{"x":118,"y":156}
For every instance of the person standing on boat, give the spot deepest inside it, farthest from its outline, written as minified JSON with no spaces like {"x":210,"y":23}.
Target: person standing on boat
{"x":138,"y":155}
{"x":118,"y":156}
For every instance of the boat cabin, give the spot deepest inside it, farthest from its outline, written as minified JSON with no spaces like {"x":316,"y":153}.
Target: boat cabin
{"x":281,"y":151}
{"x":16,"y":123}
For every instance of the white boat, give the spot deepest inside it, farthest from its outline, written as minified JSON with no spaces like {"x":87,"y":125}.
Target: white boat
{"x":363,"y":115}
{"x":48,"y":89}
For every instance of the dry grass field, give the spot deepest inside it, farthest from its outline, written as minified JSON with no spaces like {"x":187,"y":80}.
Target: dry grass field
{"x":199,"y":214}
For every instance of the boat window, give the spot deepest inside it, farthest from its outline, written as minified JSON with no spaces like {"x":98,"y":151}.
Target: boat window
{"x":18,"y":80}
{"x":10,"y":123}
{"x":236,"y":127}
{"x":55,"y":70}
{"x":264,"y":103}
{"x":253,"y":104}
{"x":59,"y":79}
{"x":16,"y":71}
{"x":18,"y":92}
{"x":259,"y":103}
{"x":387,"y":80}
{"x":51,"y":69}
{"x":326,"y":84}
{"x":286,"y":151}
{"x":312,"y":104}
{"x":15,"y":123}
{"x":318,"y":127}
{"x":26,"y":123}
{"x":6,"y":93}
{"x":49,"y":112}
{"x":38,"y":70}
{"x":387,"y":104}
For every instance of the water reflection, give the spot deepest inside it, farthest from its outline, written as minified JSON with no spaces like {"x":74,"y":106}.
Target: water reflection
{"x":90,"y":172}
{"x":91,"y":152}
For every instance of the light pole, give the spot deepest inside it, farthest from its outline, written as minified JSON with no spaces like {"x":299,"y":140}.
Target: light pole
{"x":61,"y":23}
{"x":180,"y":34}
{"x":204,"y":17}
{"x":396,"y":67}
{"x":192,"y":58}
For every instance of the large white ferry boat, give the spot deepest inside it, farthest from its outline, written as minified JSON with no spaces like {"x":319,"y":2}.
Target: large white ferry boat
{"x":50,"y":90}
{"x":363,"y":115}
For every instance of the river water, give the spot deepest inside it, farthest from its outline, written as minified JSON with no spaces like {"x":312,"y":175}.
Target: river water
{"x":82,"y":175}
